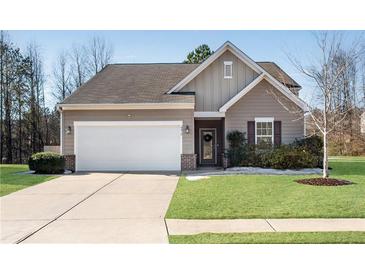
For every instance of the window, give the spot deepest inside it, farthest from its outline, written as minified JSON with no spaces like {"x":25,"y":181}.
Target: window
{"x":228,"y":70}
{"x":264,"y":131}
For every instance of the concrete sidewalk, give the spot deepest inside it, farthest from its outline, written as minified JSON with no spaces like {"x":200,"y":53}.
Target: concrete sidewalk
{"x":190,"y":227}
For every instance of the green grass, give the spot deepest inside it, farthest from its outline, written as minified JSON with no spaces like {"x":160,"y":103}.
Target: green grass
{"x":272,"y":238}
{"x":10,"y":181}
{"x":276,"y":196}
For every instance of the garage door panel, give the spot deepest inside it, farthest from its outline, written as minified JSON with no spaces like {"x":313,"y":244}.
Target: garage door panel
{"x":128,"y":147}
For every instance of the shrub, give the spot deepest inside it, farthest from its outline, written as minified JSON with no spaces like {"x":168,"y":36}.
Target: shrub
{"x":238,"y":149}
{"x":288,"y":157}
{"x":47,"y":163}
{"x":305,"y":153}
{"x":236,"y":138}
{"x":313,"y":145}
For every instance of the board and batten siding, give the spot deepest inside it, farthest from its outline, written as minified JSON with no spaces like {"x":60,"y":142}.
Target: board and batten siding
{"x":69,"y":116}
{"x":260,"y":102}
{"x":211,"y":89}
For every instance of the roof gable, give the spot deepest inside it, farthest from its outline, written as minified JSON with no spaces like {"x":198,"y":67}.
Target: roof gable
{"x":226,"y":46}
{"x":284,"y":90}
{"x":212,"y":89}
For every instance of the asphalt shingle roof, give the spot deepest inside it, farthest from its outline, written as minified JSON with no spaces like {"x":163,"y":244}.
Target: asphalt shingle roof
{"x":275,"y":71}
{"x":147,"y":83}
{"x":133,"y":83}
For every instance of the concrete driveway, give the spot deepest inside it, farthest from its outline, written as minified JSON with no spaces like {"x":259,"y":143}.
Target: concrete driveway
{"x":89,"y":208}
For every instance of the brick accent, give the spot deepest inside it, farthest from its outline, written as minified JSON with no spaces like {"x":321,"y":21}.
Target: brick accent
{"x":70,"y":162}
{"x":188,"y":161}
{"x":225,"y":161}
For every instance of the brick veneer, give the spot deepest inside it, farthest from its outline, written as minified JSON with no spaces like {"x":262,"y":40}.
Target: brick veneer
{"x":188,"y":161}
{"x":70,"y":162}
{"x":225,"y":162}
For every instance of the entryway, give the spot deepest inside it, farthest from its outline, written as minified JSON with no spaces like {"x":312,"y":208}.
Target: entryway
{"x":209,"y":142}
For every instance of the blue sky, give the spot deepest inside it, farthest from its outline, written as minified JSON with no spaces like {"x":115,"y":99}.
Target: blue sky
{"x":173,"y":46}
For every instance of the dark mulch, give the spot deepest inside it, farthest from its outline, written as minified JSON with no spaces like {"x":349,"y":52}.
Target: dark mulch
{"x":324,"y":182}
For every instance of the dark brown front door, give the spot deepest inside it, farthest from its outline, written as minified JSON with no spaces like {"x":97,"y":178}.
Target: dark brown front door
{"x":208,"y":143}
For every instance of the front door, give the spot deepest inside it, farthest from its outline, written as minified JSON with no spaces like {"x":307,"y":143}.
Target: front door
{"x":208,"y":142}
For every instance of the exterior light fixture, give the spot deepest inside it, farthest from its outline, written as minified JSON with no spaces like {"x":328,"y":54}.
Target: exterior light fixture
{"x":68,"y":130}
{"x":129,"y":115}
{"x":187,"y":129}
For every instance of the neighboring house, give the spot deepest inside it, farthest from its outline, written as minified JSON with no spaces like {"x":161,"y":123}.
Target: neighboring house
{"x":362,"y":122}
{"x":176,"y":116}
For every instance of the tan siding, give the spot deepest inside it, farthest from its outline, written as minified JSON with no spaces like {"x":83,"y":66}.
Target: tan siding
{"x":69,"y":116}
{"x":259,"y":103}
{"x":212,"y":90}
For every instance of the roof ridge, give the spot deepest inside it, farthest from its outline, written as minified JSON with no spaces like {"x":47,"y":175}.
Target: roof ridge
{"x":158,"y":63}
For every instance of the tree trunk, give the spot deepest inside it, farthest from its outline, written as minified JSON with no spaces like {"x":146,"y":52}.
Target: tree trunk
{"x":325,"y":156}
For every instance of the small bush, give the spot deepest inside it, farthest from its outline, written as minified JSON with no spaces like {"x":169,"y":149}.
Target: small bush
{"x":288,"y":157}
{"x":236,"y":138}
{"x":238,"y":149}
{"x":304,"y":153}
{"x":313,"y":145}
{"x":47,"y":163}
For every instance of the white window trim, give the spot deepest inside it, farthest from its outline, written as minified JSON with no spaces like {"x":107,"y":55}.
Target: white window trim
{"x":228,"y":63}
{"x":267,"y":120}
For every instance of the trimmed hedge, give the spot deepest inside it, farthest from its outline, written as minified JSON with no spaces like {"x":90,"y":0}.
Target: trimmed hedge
{"x":47,"y":163}
{"x":304,"y":153}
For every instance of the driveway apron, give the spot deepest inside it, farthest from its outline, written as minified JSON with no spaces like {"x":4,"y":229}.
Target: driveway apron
{"x":90,"y":208}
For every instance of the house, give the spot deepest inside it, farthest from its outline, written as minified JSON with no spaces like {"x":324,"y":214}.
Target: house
{"x":177,"y":116}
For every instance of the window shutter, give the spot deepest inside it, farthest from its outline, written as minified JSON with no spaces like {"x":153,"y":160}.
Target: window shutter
{"x":251,"y":132}
{"x":277,"y":133}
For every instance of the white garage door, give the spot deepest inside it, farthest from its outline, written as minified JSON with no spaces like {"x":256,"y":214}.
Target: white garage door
{"x":128,"y":145}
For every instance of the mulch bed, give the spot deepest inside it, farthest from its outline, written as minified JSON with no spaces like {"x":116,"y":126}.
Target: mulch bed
{"x":324,"y":182}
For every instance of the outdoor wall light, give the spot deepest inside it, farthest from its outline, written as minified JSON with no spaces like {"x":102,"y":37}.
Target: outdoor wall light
{"x":187,"y":129}
{"x":68,"y":130}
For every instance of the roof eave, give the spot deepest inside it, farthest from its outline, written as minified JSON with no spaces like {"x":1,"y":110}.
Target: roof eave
{"x":130,"y":106}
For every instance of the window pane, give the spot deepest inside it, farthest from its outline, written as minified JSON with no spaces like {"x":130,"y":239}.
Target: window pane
{"x":264,"y":132}
{"x":228,"y":68}
{"x":264,"y":140}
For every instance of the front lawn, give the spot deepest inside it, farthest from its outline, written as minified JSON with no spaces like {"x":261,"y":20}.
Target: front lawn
{"x":262,"y":196}
{"x":272,"y":238}
{"x":10,"y":181}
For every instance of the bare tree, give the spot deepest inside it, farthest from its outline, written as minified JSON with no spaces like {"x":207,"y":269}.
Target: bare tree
{"x":329,"y":74}
{"x":62,"y":78}
{"x":79,"y":65}
{"x":36,"y":81}
{"x":99,"y":55}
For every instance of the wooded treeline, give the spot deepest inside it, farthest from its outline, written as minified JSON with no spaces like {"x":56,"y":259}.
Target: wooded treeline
{"x":28,"y":122}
